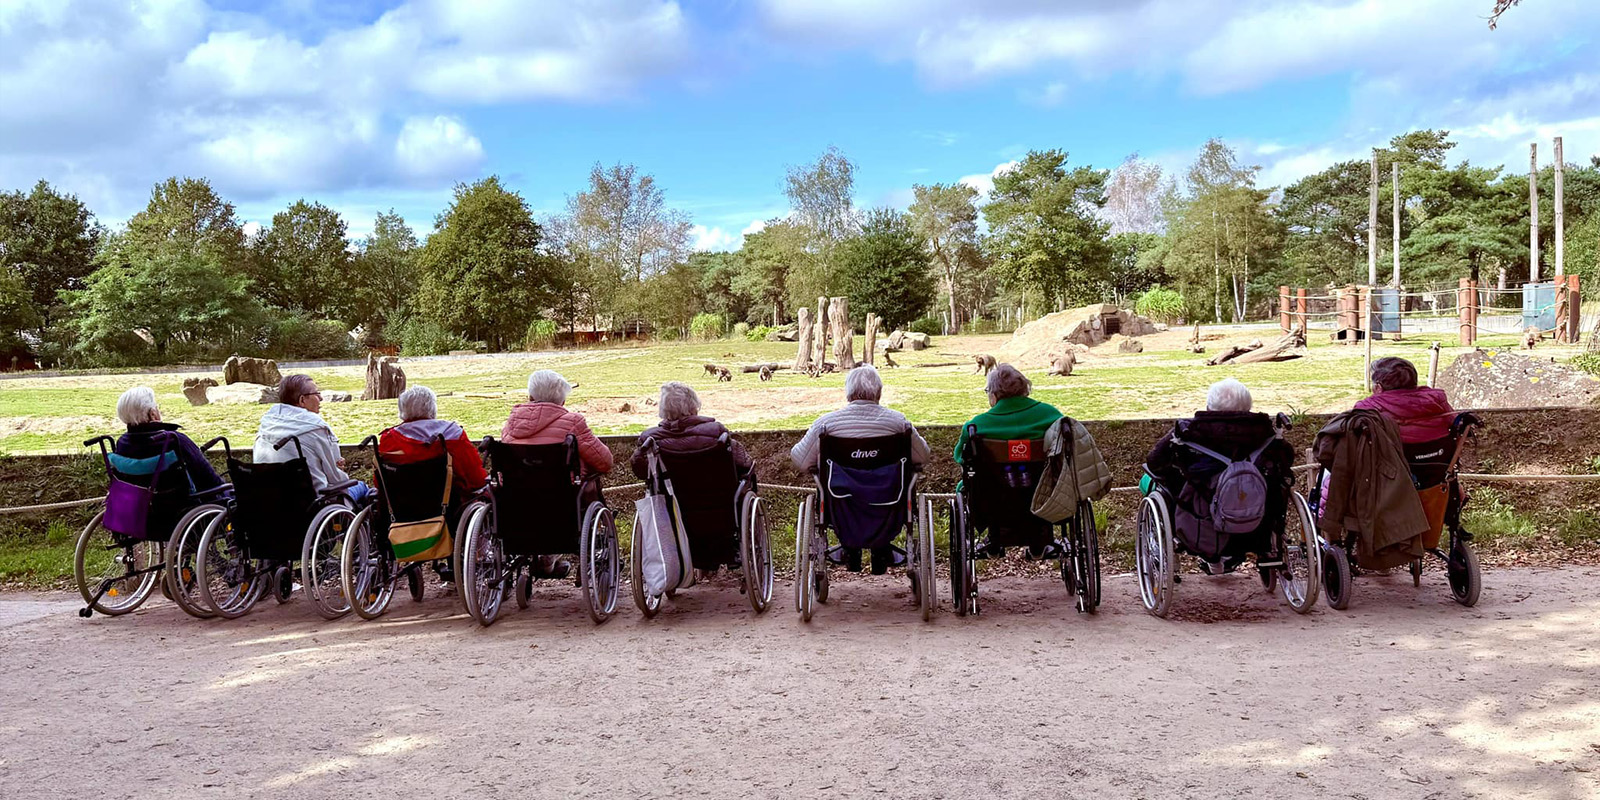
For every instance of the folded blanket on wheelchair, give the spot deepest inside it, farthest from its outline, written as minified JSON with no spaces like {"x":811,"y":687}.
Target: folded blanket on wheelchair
{"x":866,"y":507}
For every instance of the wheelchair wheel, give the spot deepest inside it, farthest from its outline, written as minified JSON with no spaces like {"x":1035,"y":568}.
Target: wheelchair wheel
{"x":648,"y":604}
{"x":230,"y":581}
{"x":524,"y":590}
{"x":1466,"y":582}
{"x":1086,"y":558}
{"x":925,"y":585}
{"x":322,"y":559}
{"x":282,"y":584}
{"x":1301,"y":572}
{"x":366,"y":570}
{"x":414,"y":583}
{"x":481,"y":565}
{"x":1416,"y":572}
{"x":126,"y":569}
{"x":599,"y":562}
{"x":1336,"y":576}
{"x":756,"y":553}
{"x":963,"y":566}
{"x":805,"y":568}
{"x":182,"y":586}
{"x":1153,"y":554}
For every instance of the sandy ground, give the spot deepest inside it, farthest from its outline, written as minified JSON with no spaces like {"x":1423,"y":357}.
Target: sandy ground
{"x":1404,"y":696}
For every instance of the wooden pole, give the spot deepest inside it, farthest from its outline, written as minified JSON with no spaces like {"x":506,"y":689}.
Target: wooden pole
{"x":1561,"y":267}
{"x":1300,"y":309}
{"x":1284,"y":320}
{"x":1372,"y":225}
{"x":1367,"y":297}
{"x":1533,"y":212}
{"x":844,"y":350}
{"x":869,"y":342}
{"x":1464,"y":295}
{"x":821,"y":321}
{"x":802,"y":356}
{"x":1396,"y":171}
{"x":1433,"y":365}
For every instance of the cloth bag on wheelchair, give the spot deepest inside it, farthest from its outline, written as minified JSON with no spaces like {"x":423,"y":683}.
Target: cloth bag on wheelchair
{"x":424,"y":539}
{"x":128,"y":504}
{"x":873,"y":509}
{"x":664,"y":558}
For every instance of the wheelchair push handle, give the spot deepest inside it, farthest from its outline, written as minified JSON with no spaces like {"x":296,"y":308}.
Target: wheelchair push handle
{"x":1465,"y":421}
{"x":223,"y":440}
{"x":99,"y":440}
{"x":291,"y":438}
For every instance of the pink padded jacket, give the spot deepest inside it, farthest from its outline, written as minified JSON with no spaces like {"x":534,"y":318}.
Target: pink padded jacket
{"x":549,"y":423}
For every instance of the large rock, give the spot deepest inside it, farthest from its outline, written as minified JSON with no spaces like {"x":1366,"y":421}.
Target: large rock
{"x":336,"y":397}
{"x":1037,"y":343}
{"x":195,"y":393}
{"x":243,"y":369}
{"x":918,"y":341}
{"x":1130,"y":346}
{"x":895,"y":341}
{"x":784,"y":333}
{"x":188,"y":382}
{"x":385,"y":379}
{"x":240,"y":394}
{"x":1503,"y":379}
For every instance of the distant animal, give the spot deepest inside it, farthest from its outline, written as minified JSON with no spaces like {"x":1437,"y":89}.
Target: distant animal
{"x":1063,"y":364}
{"x":766,"y":372}
{"x":711,"y":369}
{"x":1530,"y":338}
{"x":984,"y":364}
{"x":887,"y":361}
{"x":723,"y":375}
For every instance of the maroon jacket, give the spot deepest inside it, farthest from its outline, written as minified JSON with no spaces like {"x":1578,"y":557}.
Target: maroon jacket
{"x":686,"y":435}
{"x":1422,"y":415}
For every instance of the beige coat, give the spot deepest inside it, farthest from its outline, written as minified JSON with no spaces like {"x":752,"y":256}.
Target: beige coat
{"x":1370,"y":492}
{"x":1056,"y":499}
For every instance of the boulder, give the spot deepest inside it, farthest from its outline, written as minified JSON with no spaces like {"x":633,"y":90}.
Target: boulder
{"x":188,"y":382}
{"x":385,"y":379}
{"x":196,"y":393}
{"x":241,"y":394}
{"x":1130,"y":346}
{"x":896,"y":341}
{"x":243,"y":369}
{"x":784,"y":333}
{"x":337,"y":397}
{"x":1504,"y":379}
{"x":918,"y":341}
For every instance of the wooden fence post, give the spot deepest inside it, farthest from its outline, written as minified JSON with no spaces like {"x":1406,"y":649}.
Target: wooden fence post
{"x":843,"y":333}
{"x":1300,"y":309}
{"x":1283,"y":308}
{"x":869,"y":343}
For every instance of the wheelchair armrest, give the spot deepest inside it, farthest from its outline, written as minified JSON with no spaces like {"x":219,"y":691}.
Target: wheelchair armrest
{"x":215,"y":490}
{"x":1282,"y":422}
{"x":336,"y":488}
{"x":1463,"y":421}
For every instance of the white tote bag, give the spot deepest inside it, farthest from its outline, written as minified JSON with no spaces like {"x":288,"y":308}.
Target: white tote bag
{"x":664,"y":545}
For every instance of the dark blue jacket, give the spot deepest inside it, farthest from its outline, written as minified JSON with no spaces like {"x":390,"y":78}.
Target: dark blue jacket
{"x":144,"y":441}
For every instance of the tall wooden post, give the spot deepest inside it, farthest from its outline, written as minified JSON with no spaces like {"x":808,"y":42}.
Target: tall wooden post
{"x":1433,"y":365}
{"x":1300,"y":309}
{"x":1575,"y":318}
{"x":1366,"y":297}
{"x":802,"y":356}
{"x":1284,"y":320}
{"x":821,"y":321}
{"x":1466,"y":295}
{"x":1561,"y":267}
{"x":1396,"y":170}
{"x":869,"y":342}
{"x":1533,"y":212}
{"x":1372,"y":225}
{"x":843,"y":333}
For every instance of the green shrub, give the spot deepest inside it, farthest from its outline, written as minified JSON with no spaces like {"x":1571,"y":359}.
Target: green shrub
{"x":982,"y":326}
{"x":1588,"y":362}
{"x":422,"y":337}
{"x":741,"y":330}
{"x":758,"y":333}
{"x":708,"y":326}
{"x":929,"y":325}
{"x":296,"y":337}
{"x":1160,"y":304}
{"x":541,"y":335}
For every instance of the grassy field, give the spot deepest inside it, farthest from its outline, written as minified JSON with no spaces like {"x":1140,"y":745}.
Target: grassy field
{"x":56,"y":414}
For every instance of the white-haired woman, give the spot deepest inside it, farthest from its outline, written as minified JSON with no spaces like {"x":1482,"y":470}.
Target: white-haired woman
{"x":544,"y":419}
{"x":684,"y":429}
{"x":1227,"y":426}
{"x":418,"y":438}
{"x":861,"y":417}
{"x":148,"y":438}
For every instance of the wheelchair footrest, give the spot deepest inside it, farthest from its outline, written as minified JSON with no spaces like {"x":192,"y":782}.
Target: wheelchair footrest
{"x":1266,"y":564}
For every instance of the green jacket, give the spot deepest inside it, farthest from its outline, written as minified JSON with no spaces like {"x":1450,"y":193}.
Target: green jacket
{"x":1011,"y":418}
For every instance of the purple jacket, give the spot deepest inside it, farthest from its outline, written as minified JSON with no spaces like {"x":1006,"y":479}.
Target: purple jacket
{"x":685,"y":435}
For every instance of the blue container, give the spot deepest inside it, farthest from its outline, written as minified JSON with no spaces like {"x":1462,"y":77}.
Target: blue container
{"x":1539,"y":306}
{"x":1385,"y":310}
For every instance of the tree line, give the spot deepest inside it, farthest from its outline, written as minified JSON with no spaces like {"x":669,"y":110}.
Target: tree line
{"x":182,"y":280}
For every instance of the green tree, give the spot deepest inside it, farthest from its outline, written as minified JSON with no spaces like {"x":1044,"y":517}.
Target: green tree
{"x":946,"y":219}
{"x":48,"y":240}
{"x":821,"y":203}
{"x":303,"y":263}
{"x":886,"y":269}
{"x":385,"y":271}
{"x":179,"y":299}
{"x":1222,"y":235}
{"x":1469,"y":221}
{"x":16,"y":315}
{"x":185,"y":217}
{"x":1132,"y":269}
{"x":482,"y":270}
{"x":718,"y":273}
{"x":1046,"y":239}
{"x":770,"y":257}
{"x":627,"y":234}
{"x":1325,"y":216}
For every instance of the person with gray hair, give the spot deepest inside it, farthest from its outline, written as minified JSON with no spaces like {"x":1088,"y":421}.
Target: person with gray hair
{"x":1422,"y":414}
{"x":421,"y":435}
{"x":861,"y":417}
{"x":148,"y":439}
{"x":544,"y":419}
{"x":684,"y":429}
{"x":1229,"y":395}
{"x":297,"y":414}
{"x":1012,"y":413}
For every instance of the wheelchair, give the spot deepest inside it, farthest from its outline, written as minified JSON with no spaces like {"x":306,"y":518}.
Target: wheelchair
{"x":998,"y":479}
{"x":1285,"y":547}
{"x":699,"y":485}
{"x":538,"y":503}
{"x":1433,"y":472}
{"x":275,"y":520}
{"x":370,"y":568}
{"x":126,"y":548}
{"x":866,"y":496}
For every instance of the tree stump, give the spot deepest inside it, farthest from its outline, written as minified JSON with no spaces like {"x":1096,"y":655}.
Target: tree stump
{"x":844,"y":351}
{"x":802,"y":356}
{"x":820,"y":322}
{"x":869,"y":341}
{"x":385,"y":379}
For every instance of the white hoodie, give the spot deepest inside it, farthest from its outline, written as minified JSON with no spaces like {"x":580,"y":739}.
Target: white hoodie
{"x":317,"y":442}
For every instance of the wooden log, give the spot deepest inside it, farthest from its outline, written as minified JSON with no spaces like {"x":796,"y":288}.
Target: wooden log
{"x":771,"y":366}
{"x":802,"y":357}
{"x":821,"y":321}
{"x":1256,"y":352}
{"x":844,"y":352}
{"x":869,"y":342}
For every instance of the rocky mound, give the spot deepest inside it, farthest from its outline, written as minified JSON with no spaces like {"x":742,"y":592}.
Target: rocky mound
{"x":1039,"y":342}
{"x":1503,"y":379}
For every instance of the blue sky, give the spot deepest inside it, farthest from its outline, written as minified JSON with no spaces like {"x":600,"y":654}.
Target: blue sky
{"x":367,"y":105}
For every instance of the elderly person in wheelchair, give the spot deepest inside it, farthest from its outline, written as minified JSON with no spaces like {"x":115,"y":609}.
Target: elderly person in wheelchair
{"x":695,"y":464}
{"x":1012,"y":416}
{"x":298,"y":415}
{"x":862,"y":417}
{"x":420,"y":436}
{"x":1219,"y":486}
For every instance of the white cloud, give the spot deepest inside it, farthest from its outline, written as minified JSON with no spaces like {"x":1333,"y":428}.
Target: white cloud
{"x":755,"y":226}
{"x":984,"y":182}
{"x":1048,"y":96}
{"x":714,"y":239}
{"x":437,"y":147}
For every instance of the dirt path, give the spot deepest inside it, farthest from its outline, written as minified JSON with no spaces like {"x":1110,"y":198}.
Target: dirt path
{"x":1404,"y":696}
